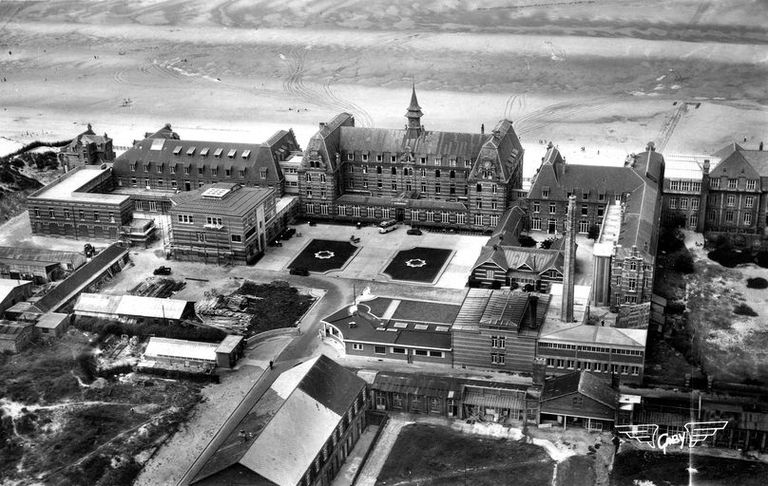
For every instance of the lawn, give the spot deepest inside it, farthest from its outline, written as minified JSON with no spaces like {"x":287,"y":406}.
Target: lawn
{"x":435,"y":455}
{"x":324,"y":255}
{"x":418,"y":264}
{"x":634,"y":467}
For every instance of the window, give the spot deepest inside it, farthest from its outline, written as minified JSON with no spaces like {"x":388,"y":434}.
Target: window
{"x":600,"y":211}
{"x":749,"y":201}
{"x":479,"y":204}
{"x":497,"y":358}
{"x":478,"y":219}
{"x":452,"y":174}
{"x":467,"y":163}
{"x":133,"y":166}
{"x":683,"y":203}
{"x":479,"y":188}
{"x":379,"y":184}
{"x":731,"y":200}
{"x":498,"y":342}
{"x":241,"y":173}
{"x":577,"y":401}
{"x":545,"y":192}
{"x":394,"y":186}
{"x":350,"y":156}
{"x":437,"y":173}
{"x":583,"y":226}
{"x":494,"y":220}
{"x":186,"y":218}
{"x":394,"y":171}
{"x":674,"y":185}
{"x":693,"y":221}
{"x":213,"y":220}
{"x":694,"y":203}
{"x":438,"y":160}
{"x":398,"y":350}
{"x":237,"y":238}
{"x":685,"y":186}
{"x":424,"y":188}
{"x":437,"y":188}
{"x":633,"y":265}
{"x":733,"y":183}
{"x":364,"y":157}
{"x":358,"y":347}
{"x":729,"y":216}
{"x":460,"y":218}
{"x":536,"y":206}
{"x":632,"y":284}
{"x":536,"y":224}
{"x":95,"y":215}
{"x":751,"y":184}
{"x":378,"y":169}
{"x":673,"y":203}
{"x":82,"y":214}
{"x":584,"y":209}
{"x":423,"y":160}
{"x":696,"y":187}
{"x":714,"y":183}
{"x":200,"y":237}
{"x":423,"y":172}
{"x":747,"y":219}
{"x":393,"y":159}
{"x":435,"y":354}
{"x":200,"y":170}
{"x":552,"y":208}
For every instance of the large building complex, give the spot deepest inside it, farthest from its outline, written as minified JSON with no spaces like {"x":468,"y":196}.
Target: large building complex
{"x":222,"y":223}
{"x":426,"y":178}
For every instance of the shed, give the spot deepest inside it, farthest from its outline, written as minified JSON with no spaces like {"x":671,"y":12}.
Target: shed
{"x":178,"y":351}
{"x":53,"y":324}
{"x":230,"y":350}
{"x":12,"y":292}
{"x":15,"y":336}
{"x":582,"y":398}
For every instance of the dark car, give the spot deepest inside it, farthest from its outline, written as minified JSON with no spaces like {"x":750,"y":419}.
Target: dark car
{"x":299,"y":271}
{"x":414,"y":231}
{"x":287,"y":233}
{"x":162,"y":271}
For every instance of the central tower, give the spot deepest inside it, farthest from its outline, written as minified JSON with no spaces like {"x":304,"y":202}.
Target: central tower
{"x":414,"y":128}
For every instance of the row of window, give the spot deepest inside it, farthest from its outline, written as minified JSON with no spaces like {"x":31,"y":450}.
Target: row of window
{"x":592,"y":366}
{"x":601,"y":196}
{"x":201,"y":170}
{"x":750,"y":184}
{"x":591,"y":349}
{"x":416,"y":214}
{"x":685,"y":186}
{"x":583,"y":225}
{"x":498,"y":342}
{"x":398,"y":350}
{"x":730,"y":217}
{"x":452,"y":161}
{"x":683,"y":203}
{"x":68,"y":214}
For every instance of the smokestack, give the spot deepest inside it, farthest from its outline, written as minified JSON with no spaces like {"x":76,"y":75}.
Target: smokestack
{"x":533,"y":300}
{"x":569,"y":270}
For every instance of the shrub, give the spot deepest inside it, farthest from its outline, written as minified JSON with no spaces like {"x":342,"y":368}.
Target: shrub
{"x":547,"y":244}
{"x":526,"y":241}
{"x":744,"y":310}
{"x":683,"y":263}
{"x":729,"y":258}
{"x":757,"y":283}
{"x":594,"y":232}
{"x":675,"y":307}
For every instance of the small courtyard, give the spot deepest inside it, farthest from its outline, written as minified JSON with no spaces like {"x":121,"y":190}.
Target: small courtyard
{"x":418,"y":264}
{"x":324,"y":255}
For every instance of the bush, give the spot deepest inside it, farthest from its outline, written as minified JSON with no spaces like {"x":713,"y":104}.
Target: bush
{"x":683,"y":263}
{"x":744,"y":310}
{"x":757,"y":283}
{"x":675,"y":307}
{"x":526,"y":241}
{"x":729,"y":258}
{"x":187,"y":332}
{"x":547,"y":244}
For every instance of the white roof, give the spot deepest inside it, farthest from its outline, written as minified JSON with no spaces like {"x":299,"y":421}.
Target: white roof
{"x":178,"y":348}
{"x":7,"y":285}
{"x":290,"y":379}
{"x":65,"y":188}
{"x":52,"y":320}
{"x":283,"y":461}
{"x":97,"y":303}
{"x":133,"y":305}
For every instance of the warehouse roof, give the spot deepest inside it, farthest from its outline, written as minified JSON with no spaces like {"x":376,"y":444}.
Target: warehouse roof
{"x":132,"y":306}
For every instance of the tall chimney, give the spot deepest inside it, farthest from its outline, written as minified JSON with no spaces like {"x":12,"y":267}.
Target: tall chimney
{"x":569,"y":265}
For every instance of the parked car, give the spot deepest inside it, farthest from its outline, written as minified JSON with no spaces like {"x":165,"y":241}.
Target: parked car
{"x":162,"y":270}
{"x":299,"y":271}
{"x":414,"y":231}
{"x":287,"y":233}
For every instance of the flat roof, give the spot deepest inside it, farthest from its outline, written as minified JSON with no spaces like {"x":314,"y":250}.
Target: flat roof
{"x":229,"y":343}
{"x":66,"y":188}
{"x":179,"y":348}
{"x":51,"y":320}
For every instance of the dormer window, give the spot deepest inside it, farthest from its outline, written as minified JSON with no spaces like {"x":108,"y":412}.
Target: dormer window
{"x":545,"y":192}
{"x":246,"y":154}
{"x":231,"y":153}
{"x":191,"y":150}
{"x":177,"y":150}
{"x":217,"y":153}
{"x":204,"y":152}
{"x":585,"y":195}
{"x":365,"y":157}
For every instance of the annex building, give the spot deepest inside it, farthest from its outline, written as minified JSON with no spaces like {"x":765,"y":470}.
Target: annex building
{"x":222,"y":223}
{"x":87,"y":148}
{"x":320,"y":402}
{"x":422,"y":177}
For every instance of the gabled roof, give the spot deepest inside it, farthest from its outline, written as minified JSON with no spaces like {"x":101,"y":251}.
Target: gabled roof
{"x":81,"y":278}
{"x":736,"y":161}
{"x":582,"y":382}
{"x":508,"y":230}
{"x":394,"y":141}
{"x":9,"y":285}
{"x":595,"y":335}
{"x":289,"y":423}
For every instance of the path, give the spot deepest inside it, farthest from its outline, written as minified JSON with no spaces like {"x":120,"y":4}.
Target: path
{"x":382,"y":448}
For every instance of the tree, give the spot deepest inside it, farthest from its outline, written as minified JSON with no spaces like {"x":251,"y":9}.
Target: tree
{"x":526,"y":241}
{"x":594,"y":232}
{"x":547,"y":244}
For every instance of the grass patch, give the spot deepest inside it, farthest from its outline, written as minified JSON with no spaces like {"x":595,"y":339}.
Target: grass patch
{"x":277,"y":305}
{"x":324,"y":255}
{"x":634,"y":467}
{"x":744,"y":310}
{"x":425,"y":263}
{"x":434,"y":455}
{"x":757,"y":283}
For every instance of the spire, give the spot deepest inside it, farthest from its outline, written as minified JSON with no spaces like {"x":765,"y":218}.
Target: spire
{"x":414,"y":115}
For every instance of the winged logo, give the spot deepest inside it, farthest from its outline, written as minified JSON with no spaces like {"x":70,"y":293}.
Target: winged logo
{"x":695,"y":432}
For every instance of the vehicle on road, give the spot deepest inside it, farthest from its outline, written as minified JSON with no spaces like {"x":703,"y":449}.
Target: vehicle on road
{"x":387,"y":226}
{"x":414,"y":231}
{"x":163,"y":270}
{"x":299,"y":271}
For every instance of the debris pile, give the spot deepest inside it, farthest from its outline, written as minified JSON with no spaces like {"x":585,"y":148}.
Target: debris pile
{"x":227,"y":312}
{"x":158,"y":287}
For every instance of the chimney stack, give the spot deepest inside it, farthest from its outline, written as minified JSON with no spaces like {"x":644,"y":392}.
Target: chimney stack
{"x":539,"y":371}
{"x":533,"y":300}
{"x":569,"y":270}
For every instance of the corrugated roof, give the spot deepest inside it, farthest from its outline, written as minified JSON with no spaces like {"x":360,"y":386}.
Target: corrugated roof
{"x":81,"y":278}
{"x":229,"y":343}
{"x":10,"y":329}
{"x":42,"y":255}
{"x":178,"y":348}
{"x":494,"y":397}
{"x":97,"y":303}
{"x":134,"y":305}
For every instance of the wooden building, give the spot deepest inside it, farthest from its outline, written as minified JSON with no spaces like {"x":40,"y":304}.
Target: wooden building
{"x":53,"y":324}
{"x":579,"y":399}
{"x":422,"y":177}
{"x":497,"y":330}
{"x":40,"y":265}
{"x":224,"y":223}
{"x":134,"y":308}
{"x":78,"y":205}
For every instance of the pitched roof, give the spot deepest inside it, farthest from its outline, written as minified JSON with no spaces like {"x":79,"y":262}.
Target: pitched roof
{"x":81,"y":278}
{"x":500,"y":308}
{"x":41,"y":255}
{"x":582,"y":382}
{"x":9,"y":285}
{"x":179,"y":348}
{"x":508,"y":230}
{"x":310,"y":400}
{"x":51,"y":320}
{"x":734,"y":153}
{"x":396,"y":141}
{"x":238,"y":201}
{"x":602,"y":335}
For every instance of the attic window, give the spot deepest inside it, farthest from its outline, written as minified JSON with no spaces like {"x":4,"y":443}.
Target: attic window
{"x":246,"y":154}
{"x":218,"y":152}
{"x":191,"y":150}
{"x":441,"y":328}
{"x":232,"y":153}
{"x":204,"y":152}
{"x":177,"y":150}
{"x":421,"y":327}
{"x":545,"y":191}
{"x":401,"y":325}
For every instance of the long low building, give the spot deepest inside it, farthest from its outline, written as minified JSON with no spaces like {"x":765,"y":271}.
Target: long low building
{"x":188,"y":354}
{"x":37,"y":264}
{"x":133,"y":307}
